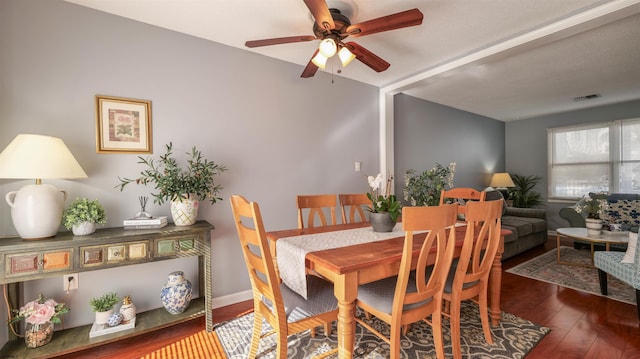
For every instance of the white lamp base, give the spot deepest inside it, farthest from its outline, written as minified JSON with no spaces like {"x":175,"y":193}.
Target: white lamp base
{"x":36,"y":210}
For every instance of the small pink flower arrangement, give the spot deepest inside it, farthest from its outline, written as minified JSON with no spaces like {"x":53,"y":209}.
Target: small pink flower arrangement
{"x":40,"y":311}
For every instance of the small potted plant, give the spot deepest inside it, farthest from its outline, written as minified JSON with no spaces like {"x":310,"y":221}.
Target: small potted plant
{"x":103,"y":306}
{"x":385,"y":207}
{"x":82,"y":215}
{"x":183,"y":187}
{"x":40,"y":315}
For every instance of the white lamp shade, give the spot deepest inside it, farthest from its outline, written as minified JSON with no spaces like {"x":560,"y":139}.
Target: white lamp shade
{"x":36,"y":210}
{"x":328,"y":47}
{"x":345,"y":56}
{"x":37,"y":156}
{"x":319,"y":60}
{"x":501,"y":180}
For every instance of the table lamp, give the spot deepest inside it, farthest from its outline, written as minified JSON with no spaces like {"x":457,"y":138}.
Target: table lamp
{"x":500,"y":181}
{"x":36,"y":209}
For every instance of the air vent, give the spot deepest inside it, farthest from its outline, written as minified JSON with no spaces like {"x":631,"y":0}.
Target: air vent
{"x":587,"y":97}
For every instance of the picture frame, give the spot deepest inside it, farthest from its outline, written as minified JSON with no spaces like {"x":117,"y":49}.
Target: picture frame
{"x":123,"y":125}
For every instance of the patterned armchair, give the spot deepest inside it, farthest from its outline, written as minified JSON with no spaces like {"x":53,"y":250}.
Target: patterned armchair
{"x":627,"y":270}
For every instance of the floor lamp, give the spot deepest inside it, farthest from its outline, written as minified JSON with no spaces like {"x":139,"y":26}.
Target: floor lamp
{"x":36,"y":209}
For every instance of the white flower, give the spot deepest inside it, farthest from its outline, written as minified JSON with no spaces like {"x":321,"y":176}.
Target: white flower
{"x":376,"y":183}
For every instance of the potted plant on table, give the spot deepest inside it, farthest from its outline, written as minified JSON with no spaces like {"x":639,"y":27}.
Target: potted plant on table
{"x":385,"y":207}
{"x":183,"y":187}
{"x":40,"y":315}
{"x":82,"y":215}
{"x":594,"y":205}
{"x":103,"y":306}
{"x":424,"y":189}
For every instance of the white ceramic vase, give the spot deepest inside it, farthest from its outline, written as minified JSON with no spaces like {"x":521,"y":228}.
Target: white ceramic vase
{"x":594,"y":226}
{"x":103,"y":317}
{"x":83,"y":228}
{"x":184,"y":211}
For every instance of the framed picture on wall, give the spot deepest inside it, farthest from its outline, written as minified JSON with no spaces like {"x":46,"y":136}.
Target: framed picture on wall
{"x":123,"y":125}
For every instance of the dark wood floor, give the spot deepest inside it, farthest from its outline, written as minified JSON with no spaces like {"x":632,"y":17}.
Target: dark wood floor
{"x":583,"y":325}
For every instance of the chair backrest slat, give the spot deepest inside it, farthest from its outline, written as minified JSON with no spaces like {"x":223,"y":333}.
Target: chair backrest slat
{"x":353,"y":203}
{"x":315,"y":204}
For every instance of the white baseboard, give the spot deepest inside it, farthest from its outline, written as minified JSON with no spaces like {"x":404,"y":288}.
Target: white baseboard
{"x":225,"y":300}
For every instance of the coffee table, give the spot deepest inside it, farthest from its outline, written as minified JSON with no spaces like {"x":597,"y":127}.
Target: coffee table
{"x":607,"y":238}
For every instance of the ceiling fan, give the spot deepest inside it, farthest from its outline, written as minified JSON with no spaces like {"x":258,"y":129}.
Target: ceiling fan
{"x":332,"y":27}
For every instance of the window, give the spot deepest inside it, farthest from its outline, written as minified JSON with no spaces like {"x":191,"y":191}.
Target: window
{"x":593,"y":158}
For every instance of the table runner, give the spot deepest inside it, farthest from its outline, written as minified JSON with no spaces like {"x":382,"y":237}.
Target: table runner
{"x":291,"y":251}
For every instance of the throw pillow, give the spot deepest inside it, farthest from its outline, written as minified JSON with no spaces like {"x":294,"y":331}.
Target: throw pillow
{"x":629,"y":256}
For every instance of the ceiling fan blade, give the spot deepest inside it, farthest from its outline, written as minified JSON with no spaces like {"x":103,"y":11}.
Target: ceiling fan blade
{"x":278,"y":40}
{"x":321,"y":13}
{"x":399,"y":20}
{"x":367,"y":57}
{"x":311,"y":68}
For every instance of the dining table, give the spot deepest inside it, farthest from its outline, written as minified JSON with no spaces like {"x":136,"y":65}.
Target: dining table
{"x":351,"y":265}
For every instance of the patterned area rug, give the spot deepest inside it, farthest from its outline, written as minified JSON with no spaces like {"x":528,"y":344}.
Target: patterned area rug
{"x":546,"y":268}
{"x":513,"y":338}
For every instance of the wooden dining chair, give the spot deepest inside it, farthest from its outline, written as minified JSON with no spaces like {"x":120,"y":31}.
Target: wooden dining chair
{"x":315,"y":204}
{"x":406,"y":298}
{"x":462,"y":195}
{"x":353,"y":204}
{"x":469,"y":275}
{"x":286,"y":311}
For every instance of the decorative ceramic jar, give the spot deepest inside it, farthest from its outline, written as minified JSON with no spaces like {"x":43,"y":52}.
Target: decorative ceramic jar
{"x":128,"y":309}
{"x":381,"y":222}
{"x":103,"y":317}
{"x":37,"y":335}
{"x":114,"y":319}
{"x":184,"y":211}
{"x":176,"y":294}
{"x":83,"y":228}
{"x":594,"y":226}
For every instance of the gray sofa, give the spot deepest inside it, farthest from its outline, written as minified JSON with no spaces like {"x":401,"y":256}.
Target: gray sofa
{"x":528,"y":227}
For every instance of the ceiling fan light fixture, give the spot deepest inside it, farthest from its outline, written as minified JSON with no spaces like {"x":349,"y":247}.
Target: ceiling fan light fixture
{"x":345,"y":56}
{"x":328,"y":47}
{"x":320,"y":60}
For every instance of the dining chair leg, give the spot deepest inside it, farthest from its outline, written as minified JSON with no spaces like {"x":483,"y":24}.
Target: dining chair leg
{"x":255,"y":336}
{"x":436,"y":327}
{"x":484,"y":316}
{"x":281,"y":346}
{"x":396,"y":331}
{"x":454,"y":322}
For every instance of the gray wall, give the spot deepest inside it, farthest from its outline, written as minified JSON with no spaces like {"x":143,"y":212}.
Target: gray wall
{"x":526,"y":145}
{"x":249,"y":112}
{"x":426,"y":133}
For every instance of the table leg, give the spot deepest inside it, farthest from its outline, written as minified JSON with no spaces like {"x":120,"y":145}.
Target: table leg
{"x":495,"y":284}
{"x":558,"y":248}
{"x":346,"y":291}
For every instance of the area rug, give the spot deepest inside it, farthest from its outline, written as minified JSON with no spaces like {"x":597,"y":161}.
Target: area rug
{"x":513,"y":338}
{"x":546,"y":268}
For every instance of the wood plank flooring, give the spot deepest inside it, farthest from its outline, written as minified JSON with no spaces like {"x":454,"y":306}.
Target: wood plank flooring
{"x":583,"y":325}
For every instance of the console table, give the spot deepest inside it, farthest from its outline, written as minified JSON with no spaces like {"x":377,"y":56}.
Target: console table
{"x":25,"y":260}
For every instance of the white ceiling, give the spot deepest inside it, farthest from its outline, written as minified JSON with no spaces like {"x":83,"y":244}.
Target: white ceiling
{"x":504,"y":59}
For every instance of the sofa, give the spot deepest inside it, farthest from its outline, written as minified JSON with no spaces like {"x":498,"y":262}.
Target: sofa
{"x":528,"y":227}
{"x":622,"y":208}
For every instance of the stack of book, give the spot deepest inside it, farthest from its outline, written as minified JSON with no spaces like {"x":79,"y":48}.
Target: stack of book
{"x":146,"y":223}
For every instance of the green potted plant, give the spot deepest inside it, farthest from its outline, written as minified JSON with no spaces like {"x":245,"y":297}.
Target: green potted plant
{"x":385,"y":208}
{"x":103,"y":306}
{"x":183,"y":187}
{"x":523,"y":194}
{"x":82,"y":215}
{"x":424,"y":189}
